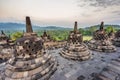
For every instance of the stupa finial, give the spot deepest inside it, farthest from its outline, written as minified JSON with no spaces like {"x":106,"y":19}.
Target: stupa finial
{"x":28,"y":25}
{"x":75,"y":27}
{"x":102,"y":25}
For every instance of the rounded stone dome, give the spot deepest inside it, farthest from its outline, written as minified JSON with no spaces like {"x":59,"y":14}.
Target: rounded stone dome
{"x":100,"y":35}
{"x":28,"y":47}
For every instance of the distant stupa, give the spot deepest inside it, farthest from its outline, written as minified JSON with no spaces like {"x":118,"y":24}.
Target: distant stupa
{"x":2,"y":33}
{"x":3,"y":38}
{"x":101,"y":41}
{"x":101,"y":26}
{"x":111,"y":35}
{"x":6,"y":47}
{"x":116,"y":40}
{"x":46,"y":37}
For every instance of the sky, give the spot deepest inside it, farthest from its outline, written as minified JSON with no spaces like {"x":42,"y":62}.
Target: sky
{"x":61,"y":12}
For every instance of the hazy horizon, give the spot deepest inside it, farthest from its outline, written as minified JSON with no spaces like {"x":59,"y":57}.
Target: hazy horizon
{"x":61,"y":12}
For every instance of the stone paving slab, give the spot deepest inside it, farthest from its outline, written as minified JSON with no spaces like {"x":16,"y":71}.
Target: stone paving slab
{"x":86,"y":68}
{"x":71,"y":70}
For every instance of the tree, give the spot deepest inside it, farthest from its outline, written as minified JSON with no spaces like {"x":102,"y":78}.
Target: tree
{"x":81,"y":30}
{"x":16,"y":35}
{"x":92,"y":29}
{"x":109,"y":29}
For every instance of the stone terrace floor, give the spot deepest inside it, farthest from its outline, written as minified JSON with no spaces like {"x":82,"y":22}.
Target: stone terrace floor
{"x":71,"y":70}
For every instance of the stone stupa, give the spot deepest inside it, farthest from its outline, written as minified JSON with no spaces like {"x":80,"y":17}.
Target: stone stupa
{"x":5,"y":47}
{"x":101,"y":42}
{"x":49,"y":43}
{"x":75,"y":49}
{"x":46,"y":37}
{"x":116,"y":40}
{"x":30,"y":61}
{"x":4,"y":39}
{"x":111,"y":35}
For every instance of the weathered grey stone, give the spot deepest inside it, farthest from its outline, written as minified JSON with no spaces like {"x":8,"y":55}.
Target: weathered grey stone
{"x":30,"y":61}
{"x":111,"y":72}
{"x":116,"y":40}
{"x":46,"y":37}
{"x":75,"y":49}
{"x":101,"y":41}
{"x":6,"y":49}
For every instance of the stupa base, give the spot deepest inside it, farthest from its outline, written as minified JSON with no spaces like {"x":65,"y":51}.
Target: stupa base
{"x":98,"y":46}
{"x":40,"y":68}
{"x":82,"y":53}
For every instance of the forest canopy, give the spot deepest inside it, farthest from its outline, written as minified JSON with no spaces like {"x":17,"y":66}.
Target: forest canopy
{"x":60,"y":35}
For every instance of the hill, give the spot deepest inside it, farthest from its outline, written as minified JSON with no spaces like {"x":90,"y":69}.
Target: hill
{"x":107,"y":25}
{"x":21,"y":27}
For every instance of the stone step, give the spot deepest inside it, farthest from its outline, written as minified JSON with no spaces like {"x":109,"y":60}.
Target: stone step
{"x":117,"y":60}
{"x":112,"y":73}
{"x":75,"y":57}
{"x":37,"y":73}
{"x":114,"y":68}
{"x":117,"y":63}
{"x":29,"y":67}
{"x":108,"y":75}
{"x":75,"y":54}
{"x":15,"y":74}
{"x":101,"y":77}
{"x":51,"y":71}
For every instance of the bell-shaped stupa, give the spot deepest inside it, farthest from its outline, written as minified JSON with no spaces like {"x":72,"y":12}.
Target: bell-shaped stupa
{"x":46,"y":37}
{"x":6,"y":47}
{"x":101,"y":41}
{"x":30,"y":61}
{"x":75,"y":48}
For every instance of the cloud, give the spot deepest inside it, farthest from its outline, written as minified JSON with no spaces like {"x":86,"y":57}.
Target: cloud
{"x":94,"y":11}
{"x":106,"y":3}
{"x":109,"y":6}
{"x":99,"y":3}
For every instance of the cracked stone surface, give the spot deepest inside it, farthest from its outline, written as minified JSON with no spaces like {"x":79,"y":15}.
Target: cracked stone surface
{"x":71,"y":70}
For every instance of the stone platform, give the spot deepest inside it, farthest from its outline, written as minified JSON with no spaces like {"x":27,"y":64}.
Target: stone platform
{"x":76,"y":70}
{"x":110,"y":72}
{"x":82,"y":70}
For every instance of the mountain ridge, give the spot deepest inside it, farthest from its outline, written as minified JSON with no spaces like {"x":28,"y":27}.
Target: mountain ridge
{"x":105,"y":26}
{"x":8,"y":26}
{"x":20,"y":26}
